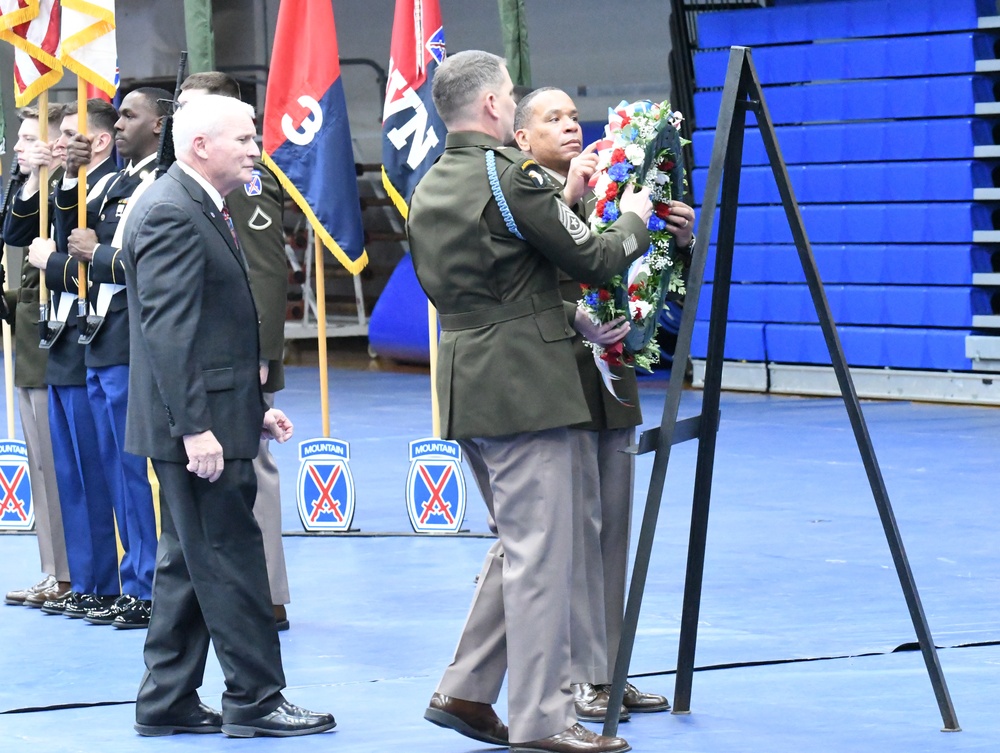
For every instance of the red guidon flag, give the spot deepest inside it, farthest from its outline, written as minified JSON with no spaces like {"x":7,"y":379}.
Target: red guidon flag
{"x":307,"y":140}
{"x":32,"y":26}
{"x":412,"y":131}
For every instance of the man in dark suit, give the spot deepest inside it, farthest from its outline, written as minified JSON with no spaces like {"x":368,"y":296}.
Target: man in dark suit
{"x":488,"y":233}
{"x":196,"y":409}
{"x":547,"y":127}
{"x":257,"y":208}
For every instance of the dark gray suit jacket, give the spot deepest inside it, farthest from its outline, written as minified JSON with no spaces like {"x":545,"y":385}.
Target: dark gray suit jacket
{"x":194,"y":343}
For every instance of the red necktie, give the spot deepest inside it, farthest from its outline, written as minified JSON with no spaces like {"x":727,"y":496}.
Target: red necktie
{"x":229,"y":221}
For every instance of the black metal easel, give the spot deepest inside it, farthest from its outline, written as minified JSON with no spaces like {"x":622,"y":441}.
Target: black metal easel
{"x":742,"y":93}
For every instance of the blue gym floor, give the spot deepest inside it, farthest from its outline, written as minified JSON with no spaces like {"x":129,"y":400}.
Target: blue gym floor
{"x":797,"y":568}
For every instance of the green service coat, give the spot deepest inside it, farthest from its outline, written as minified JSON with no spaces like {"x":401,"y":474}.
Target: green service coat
{"x":506,"y":363}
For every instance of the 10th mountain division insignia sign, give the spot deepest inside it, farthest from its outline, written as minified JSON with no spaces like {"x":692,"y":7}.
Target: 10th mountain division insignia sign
{"x":325,"y":487}
{"x":17,"y":513}
{"x":435,"y":486}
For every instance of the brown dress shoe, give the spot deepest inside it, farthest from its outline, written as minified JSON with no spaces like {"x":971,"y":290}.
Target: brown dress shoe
{"x":576,"y":739}
{"x":591,"y":703}
{"x":642,"y":703}
{"x":476,"y":720}
{"x":58,"y":592}
{"x":17,"y":598}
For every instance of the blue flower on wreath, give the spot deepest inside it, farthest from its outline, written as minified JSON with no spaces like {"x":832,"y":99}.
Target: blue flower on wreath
{"x":611,"y":212}
{"x":619,"y":171}
{"x":591,"y":299}
{"x":656,"y":223}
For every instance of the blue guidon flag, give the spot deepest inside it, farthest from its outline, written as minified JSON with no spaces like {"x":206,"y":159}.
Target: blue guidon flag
{"x":325,"y":487}
{"x":307,"y":140}
{"x":17,"y":513}
{"x":412,"y":132}
{"x":435,"y":487}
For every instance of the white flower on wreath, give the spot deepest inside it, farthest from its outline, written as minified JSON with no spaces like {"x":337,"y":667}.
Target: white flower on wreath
{"x":601,"y":187}
{"x":635,"y":154}
{"x":639,"y":310}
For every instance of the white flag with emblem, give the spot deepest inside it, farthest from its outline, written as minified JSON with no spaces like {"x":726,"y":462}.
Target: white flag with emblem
{"x":89,"y":47}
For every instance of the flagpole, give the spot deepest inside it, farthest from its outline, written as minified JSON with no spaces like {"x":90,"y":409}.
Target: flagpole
{"x":432,"y":334}
{"x":43,"y":205}
{"x":81,"y":201}
{"x":324,"y":394}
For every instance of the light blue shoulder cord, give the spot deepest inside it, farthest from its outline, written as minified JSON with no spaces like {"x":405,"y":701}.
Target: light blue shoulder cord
{"x":491,"y":172}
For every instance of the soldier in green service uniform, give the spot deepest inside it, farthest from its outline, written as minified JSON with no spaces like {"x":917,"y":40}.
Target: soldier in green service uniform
{"x":546,"y":127}
{"x":488,"y":233}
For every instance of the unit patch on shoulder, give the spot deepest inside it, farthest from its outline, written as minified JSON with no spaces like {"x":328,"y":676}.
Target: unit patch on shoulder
{"x":576,"y":228}
{"x":254,"y":187}
{"x":533,"y":171}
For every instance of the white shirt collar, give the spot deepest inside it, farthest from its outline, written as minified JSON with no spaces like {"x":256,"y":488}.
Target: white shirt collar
{"x":211,"y":190}
{"x":560,"y":179}
{"x":133,"y":167}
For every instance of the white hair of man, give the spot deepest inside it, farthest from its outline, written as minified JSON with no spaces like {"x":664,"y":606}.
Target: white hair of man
{"x":461,"y":78}
{"x":204,"y":116}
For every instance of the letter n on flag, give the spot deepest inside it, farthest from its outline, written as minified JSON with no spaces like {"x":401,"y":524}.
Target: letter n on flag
{"x":412,"y":132}
{"x":307,"y":139}
{"x":32,"y":26}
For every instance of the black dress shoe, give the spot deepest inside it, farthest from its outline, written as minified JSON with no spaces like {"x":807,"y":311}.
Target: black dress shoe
{"x":106,"y":615}
{"x":135,"y":616}
{"x":58,"y":605}
{"x":576,"y":739}
{"x":78,"y":609}
{"x":201,"y":721}
{"x":287,"y":720}
{"x":469,"y":718}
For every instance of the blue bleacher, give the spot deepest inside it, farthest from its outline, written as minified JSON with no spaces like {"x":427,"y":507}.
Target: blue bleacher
{"x":892,"y":306}
{"x":941,"y":96}
{"x":871,"y":264}
{"x":744,"y":342}
{"x":865,"y":223}
{"x":891,"y":347}
{"x":953,"y":138}
{"x":838,"y":20}
{"x":875,"y":106}
{"x":866,"y":182}
{"x":937,"y":55}
{"x":872,"y":347}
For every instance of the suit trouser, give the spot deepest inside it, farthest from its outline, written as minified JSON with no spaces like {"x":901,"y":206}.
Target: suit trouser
{"x":127,"y":479}
{"x":210,"y":585}
{"x":267,"y":511}
{"x":519,"y":622}
{"x":600,"y":555}
{"x":34,"y":405}
{"x":88,"y":520}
